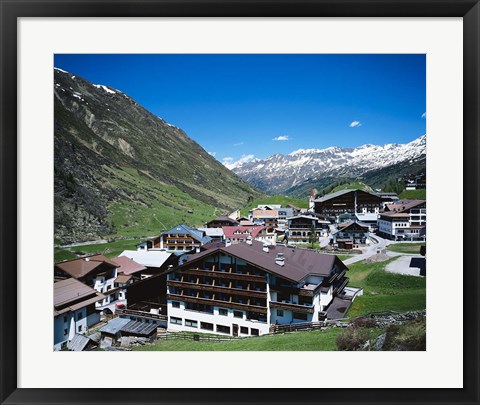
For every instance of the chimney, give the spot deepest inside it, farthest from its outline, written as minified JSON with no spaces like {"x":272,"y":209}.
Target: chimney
{"x":265,"y":248}
{"x":280,"y":260}
{"x":87,"y":259}
{"x":249,"y":240}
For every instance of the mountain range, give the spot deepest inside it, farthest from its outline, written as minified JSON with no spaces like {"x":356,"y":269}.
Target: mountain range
{"x":121,"y":170}
{"x":283,"y":174}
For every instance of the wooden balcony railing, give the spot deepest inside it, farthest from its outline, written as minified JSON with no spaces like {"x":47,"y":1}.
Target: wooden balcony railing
{"x":292,"y":307}
{"x":226,"y":290}
{"x":218,"y":303}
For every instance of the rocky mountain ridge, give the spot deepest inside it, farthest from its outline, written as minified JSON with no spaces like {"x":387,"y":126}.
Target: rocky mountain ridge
{"x":279,"y":173}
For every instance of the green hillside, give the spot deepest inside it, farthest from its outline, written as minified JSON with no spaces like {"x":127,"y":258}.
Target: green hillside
{"x":344,"y":185}
{"x":413,"y":194}
{"x":120,"y":170}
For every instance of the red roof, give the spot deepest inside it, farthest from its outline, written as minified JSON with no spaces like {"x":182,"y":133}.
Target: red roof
{"x":242,"y":232}
{"x":128,"y":266}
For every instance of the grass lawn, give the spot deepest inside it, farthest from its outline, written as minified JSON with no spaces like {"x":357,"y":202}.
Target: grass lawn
{"x":316,"y":340}
{"x":385,"y":291}
{"x":413,"y":247}
{"x":344,"y":257}
{"x":111,"y":249}
{"x":413,"y":194}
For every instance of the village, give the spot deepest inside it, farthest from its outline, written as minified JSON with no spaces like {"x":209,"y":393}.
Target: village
{"x":238,"y":276}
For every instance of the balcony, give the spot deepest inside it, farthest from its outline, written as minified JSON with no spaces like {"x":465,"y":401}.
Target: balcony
{"x":306,"y":309}
{"x":219,"y":303}
{"x":216,"y":288}
{"x":230,"y":274}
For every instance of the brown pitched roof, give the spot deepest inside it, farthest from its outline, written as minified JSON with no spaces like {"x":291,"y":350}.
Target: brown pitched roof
{"x":299,"y":263}
{"x":80,"y":267}
{"x":128,"y":266}
{"x":403,"y":205}
{"x":71,"y":294}
{"x":123,"y":278}
{"x":344,"y":225}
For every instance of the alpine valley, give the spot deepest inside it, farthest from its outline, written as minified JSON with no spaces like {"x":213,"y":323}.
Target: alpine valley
{"x":296,"y":173}
{"x":120,"y":170}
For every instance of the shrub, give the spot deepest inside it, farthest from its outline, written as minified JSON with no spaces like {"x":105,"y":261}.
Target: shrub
{"x":352,"y":338}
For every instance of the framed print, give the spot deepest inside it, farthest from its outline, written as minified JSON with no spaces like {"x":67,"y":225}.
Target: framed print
{"x":227,"y":93}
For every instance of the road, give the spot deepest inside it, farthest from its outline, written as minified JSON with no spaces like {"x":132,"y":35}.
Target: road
{"x":377,"y":244}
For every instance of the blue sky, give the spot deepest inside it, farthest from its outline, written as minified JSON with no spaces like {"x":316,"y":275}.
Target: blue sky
{"x":237,"y":106}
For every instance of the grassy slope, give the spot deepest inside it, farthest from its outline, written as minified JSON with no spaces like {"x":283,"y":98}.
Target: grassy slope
{"x":354,"y":185}
{"x":112,"y":249}
{"x":276,"y":199}
{"x":156,"y":206}
{"x":413,"y":194}
{"x":300,"y":341}
{"x":385,"y":291}
{"x":413,"y":248}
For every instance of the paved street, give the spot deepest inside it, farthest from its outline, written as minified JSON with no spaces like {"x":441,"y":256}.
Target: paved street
{"x":371,"y":250}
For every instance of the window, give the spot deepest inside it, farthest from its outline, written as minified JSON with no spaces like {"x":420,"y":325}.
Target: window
{"x":79,"y":328}
{"x":238,"y":314}
{"x":254,"y":332}
{"x":175,"y":304}
{"x":65,"y":331}
{"x":244,"y":330}
{"x":223,"y":329}
{"x":191,"y":323}
{"x":223,"y":311}
{"x":65,"y":319}
{"x":79,"y":316}
{"x":280,"y":312}
{"x":303,"y":317}
{"x":177,"y":321}
{"x":206,"y":325}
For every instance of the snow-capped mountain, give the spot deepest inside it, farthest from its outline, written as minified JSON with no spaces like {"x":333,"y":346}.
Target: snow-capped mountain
{"x":279,"y":172}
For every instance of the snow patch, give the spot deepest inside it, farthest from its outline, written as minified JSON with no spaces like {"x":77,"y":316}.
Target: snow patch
{"x":60,"y":70}
{"x":105,"y":88}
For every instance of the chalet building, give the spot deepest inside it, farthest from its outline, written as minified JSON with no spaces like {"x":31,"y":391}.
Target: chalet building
{"x":404,"y":220}
{"x":98,"y":272}
{"x":73,"y":310}
{"x":179,"y":240}
{"x":300,"y":228}
{"x":265,"y":217}
{"x":351,"y":234}
{"x":237,"y":234}
{"x":245,"y":288}
{"x":222,"y":220}
{"x":348,"y":201}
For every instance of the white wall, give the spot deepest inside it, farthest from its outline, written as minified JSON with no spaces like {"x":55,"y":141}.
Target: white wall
{"x":215,"y":319}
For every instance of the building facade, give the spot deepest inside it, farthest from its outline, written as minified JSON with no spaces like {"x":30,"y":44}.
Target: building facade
{"x":73,"y":309}
{"x":300,"y":228}
{"x":98,"y":272}
{"x":244,"y":289}
{"x":180,"y":239}
{"x":348,"y":201}
{"x":404,"y":220}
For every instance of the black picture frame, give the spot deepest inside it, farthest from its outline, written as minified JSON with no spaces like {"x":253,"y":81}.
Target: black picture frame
{"x":10,"y":10}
